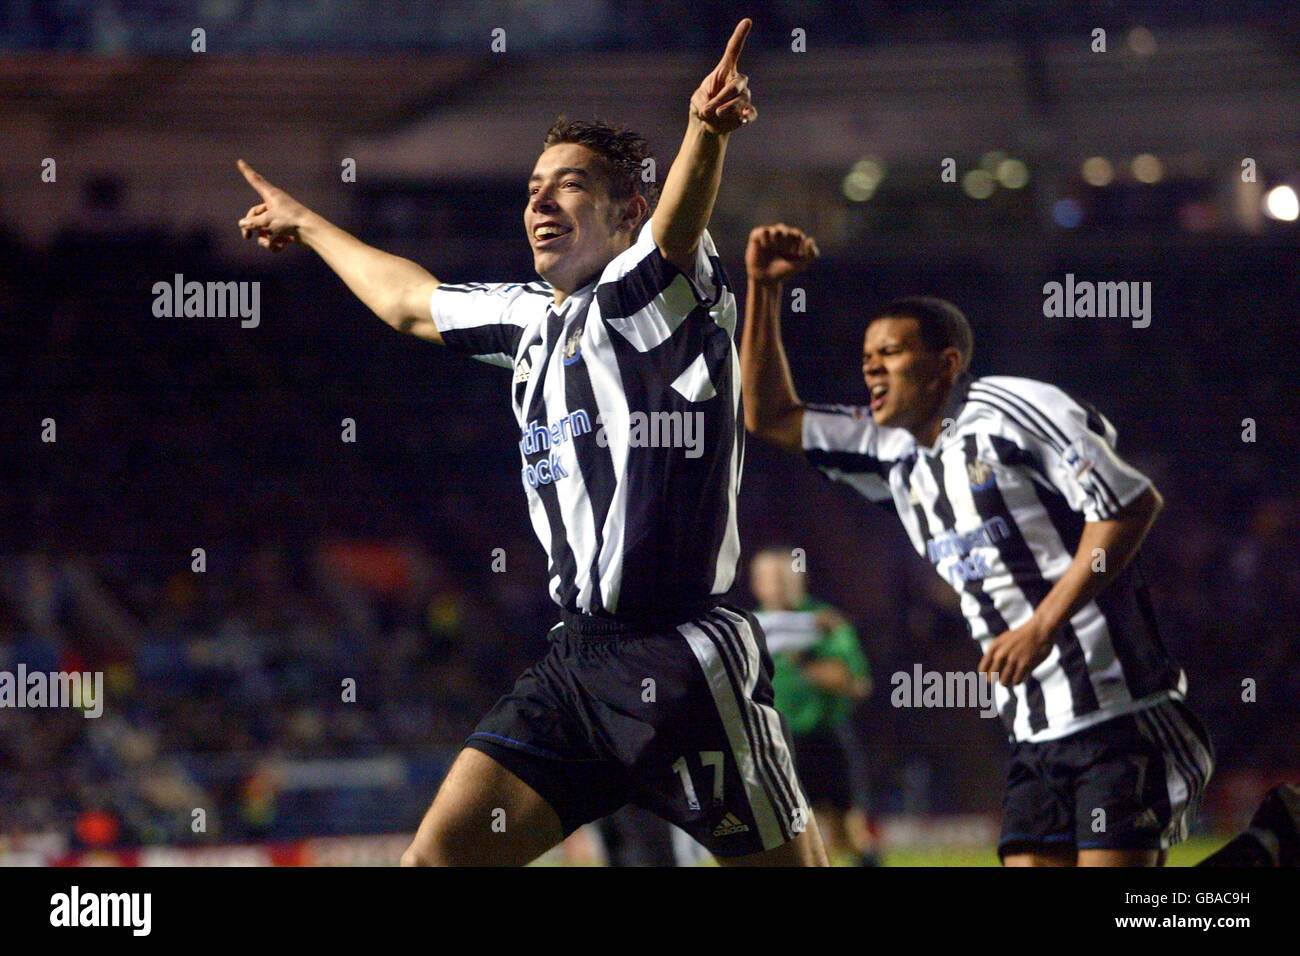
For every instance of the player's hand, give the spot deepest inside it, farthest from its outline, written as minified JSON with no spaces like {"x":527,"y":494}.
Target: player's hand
{"x":722,"y":101}
{"x":828,"y":619}
{"x":775,"y":253}
{"x":275,"y":220}
{"x":1014,"y":654}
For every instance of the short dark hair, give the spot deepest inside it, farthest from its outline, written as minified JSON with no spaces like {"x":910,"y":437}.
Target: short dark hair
{"x":942,"y":324}
{"x":623,"y":151}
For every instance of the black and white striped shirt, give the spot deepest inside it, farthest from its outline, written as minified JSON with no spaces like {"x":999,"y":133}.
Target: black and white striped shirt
{"x":998,"y":507}
{"x":626,"y":396}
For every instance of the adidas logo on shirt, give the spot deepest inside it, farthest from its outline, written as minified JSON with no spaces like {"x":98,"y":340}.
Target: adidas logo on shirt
{"x":731,"y":824}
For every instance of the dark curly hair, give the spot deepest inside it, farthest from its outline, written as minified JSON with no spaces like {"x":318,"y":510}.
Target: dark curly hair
{"x":623,"y":151}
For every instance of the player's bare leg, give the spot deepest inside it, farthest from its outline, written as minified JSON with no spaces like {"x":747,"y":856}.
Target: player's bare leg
{"x":1066,"y":857}
{"x":806,"y":849}
{"x":483,"y":815}
{"x":834,"y":835}
{"x":1121,"y":858}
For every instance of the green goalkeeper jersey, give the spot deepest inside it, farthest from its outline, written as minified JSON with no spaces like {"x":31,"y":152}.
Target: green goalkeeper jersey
{"x":807,"y":707}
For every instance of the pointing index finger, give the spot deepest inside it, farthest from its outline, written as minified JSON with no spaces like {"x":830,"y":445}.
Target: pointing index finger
{"x":737,"y":43}
{"x":254,"y":179}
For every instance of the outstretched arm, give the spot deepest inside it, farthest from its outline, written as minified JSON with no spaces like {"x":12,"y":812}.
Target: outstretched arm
{"x":719,"y":106}
{"x":772,"y":408}
{"x":395,"y":289}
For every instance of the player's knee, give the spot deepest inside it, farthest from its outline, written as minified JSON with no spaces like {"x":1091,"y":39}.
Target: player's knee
{"x":413,"y":857}
{"x":430,"y":852}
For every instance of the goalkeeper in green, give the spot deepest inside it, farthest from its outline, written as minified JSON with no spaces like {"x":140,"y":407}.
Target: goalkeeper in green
{"x":819,"y":674}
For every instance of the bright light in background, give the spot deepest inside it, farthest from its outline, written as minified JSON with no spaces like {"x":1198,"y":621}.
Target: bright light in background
{"x":978,"y":184}
{"x":1147,"y":169}
{"x":1013,"y":174}
{"x":992,"y":159}
{"x":861,"y":182}
{"x":1282,"y":203}
{"x":1067,"y":213}
{"x":1097,"y":171}
{"x":1141,"y":41}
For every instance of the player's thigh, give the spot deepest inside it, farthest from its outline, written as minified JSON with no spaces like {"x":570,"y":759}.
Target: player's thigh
{"x":806,"y":849}
{"x":483,"y":815}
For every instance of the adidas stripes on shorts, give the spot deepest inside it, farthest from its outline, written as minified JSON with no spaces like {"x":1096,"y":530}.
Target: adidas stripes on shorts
{"x":1132,"y":782}
{"x":678,"y":721}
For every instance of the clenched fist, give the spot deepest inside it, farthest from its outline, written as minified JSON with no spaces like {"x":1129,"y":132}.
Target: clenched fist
{"x":777,"y":252}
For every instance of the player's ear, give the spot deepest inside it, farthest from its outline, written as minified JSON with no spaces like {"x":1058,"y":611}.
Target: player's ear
{"x":950,"y":364}
{"x":634,"y":213}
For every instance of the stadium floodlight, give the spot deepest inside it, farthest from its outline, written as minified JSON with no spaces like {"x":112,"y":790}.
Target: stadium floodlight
{"x":1281,"y":203}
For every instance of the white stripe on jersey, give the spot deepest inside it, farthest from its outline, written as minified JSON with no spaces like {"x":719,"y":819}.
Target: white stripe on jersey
{"x":1023,"y":466}
{"x":631,"y":527}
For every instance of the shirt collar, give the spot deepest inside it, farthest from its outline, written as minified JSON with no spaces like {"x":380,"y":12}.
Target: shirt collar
{"x":566,"y":310}
{"x":952,"y":409}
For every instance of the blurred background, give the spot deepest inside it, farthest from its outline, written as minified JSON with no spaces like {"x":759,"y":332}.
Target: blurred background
{"x":1172,"y":157}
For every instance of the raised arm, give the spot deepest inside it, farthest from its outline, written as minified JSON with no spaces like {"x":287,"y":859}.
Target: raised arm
{"x":720,"y":105}
{"x":395,"y":289}
{"x":773,"y":411}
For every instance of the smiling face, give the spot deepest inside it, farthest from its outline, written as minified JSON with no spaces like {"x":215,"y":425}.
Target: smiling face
{"x":574,"y":227}
{"x":908,"y":381}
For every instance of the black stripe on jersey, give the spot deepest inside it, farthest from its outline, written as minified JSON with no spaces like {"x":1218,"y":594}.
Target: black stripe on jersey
{"x":1004,"y":409}
{"x":521,"y":388}
{"x":993,"y":620}
{"x":1030,"y":409}
{"x":1020,"y":561}
{"x":1067,"y":522}
{"x":679,"y":503}
{"x":536,"y":288}
{"x":490,"y":339}
{"x":1033,"y":689}
{"x":596,"y":465}
{"x":563,"y":563}
{"x":849,"y":462}
{"x":637,"y":288}
{"x":1125,"y":603}
{"x":1093,"y":418}
{"x":846,"y":410}
{"x":487,"y":339}
{"x":1005,"y":401}
{"x":1119,"y":603}
{"x":733,"y":661}
{"x":722,"y":282}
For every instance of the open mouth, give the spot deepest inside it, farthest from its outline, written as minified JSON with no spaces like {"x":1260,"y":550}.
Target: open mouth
{"x":549,"y":233}
{"x":878,"y":393}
